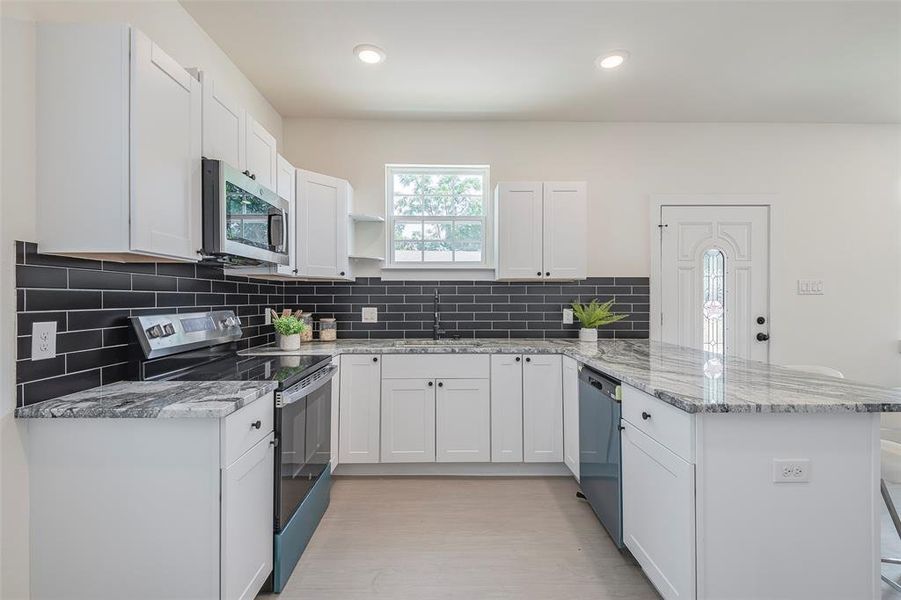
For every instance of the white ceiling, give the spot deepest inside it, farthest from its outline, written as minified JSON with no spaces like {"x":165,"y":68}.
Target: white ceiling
{"x":690,"y":61}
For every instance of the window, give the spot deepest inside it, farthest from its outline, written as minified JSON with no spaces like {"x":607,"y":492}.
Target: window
{"x":438,"y":216}
{"x":714,"y":305}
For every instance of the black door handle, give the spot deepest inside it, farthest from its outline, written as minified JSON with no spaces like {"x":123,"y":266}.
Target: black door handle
{"x":518,"y":359}
{"x":440,"y":384}
{"x":538,"y":273}
{"x":621,"y":427}
{"x":431,"y":383}
{"x":528,"y":359}
{"x":762,"y":337}
{"x":256,"y":424}
{"x":548,"y":274}
{"x":375,"y":359}
{"x":761,"y":320}
{"x":645,"y":416}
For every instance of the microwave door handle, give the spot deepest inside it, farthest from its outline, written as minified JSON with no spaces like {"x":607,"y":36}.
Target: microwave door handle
{"x":285,"y":226}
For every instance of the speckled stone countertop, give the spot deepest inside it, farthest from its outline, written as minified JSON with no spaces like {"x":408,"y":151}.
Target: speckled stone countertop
{"x":688,"y":379}
{"x":152,"y":400}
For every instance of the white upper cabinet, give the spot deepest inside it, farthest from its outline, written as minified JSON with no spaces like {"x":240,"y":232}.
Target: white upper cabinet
{"x":224,"y":125}
{"x":564,"y":239}
{"x":542,"y":408}
{"x":262,"y":154}
{"x":541,"y":230}
{"x":119,"y":143}
{"x":519,"y":230}
{"x":323,"y":217}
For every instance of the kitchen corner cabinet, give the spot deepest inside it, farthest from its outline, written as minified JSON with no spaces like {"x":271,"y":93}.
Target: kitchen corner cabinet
{"x":542,"y":408}
{"x":323,"y":206}
{"x":360,"y":409}
{"x":183,"y":506}
{"x":571,"y":415}
{"x":541,"y":230}
{"x":262,"y":153}
{"x":118,"y":143}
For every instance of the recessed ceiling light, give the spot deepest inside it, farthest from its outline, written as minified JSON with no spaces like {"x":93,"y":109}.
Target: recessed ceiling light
{"x":369,"y":54}
{"x":611,"y":60}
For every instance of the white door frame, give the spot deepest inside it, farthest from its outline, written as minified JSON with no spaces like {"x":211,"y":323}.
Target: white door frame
{"x":658,"y":201}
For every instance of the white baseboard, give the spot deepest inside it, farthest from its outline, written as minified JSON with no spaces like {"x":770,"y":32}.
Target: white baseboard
{"x":456,"y":469}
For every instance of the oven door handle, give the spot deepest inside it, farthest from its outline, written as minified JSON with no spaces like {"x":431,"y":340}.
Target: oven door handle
{"x":295,"y":393}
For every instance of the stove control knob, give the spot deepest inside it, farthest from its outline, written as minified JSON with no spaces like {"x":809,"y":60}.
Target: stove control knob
{"x":168,"y":330}
{"x":155,"y":332}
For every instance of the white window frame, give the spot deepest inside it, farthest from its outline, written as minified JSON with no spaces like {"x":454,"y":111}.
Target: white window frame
{"x":487,"y":261}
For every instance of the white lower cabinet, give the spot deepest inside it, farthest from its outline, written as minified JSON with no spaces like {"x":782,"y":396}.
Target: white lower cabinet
{"x":506,"y":408}
{"x":247,"y":522}
{"x":463,"y":420}
{"x":542,"y":408}
{"x":571,"y":415}
{"x":359,"y":411}
{"x":408,"y":420}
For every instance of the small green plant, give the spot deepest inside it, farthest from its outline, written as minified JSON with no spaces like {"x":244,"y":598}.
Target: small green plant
{"x":288,"y":323}
{"x":594,"y":314}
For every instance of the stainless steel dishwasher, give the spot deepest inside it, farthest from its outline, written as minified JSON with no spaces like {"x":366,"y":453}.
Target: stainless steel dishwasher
{"x":600,"y":449}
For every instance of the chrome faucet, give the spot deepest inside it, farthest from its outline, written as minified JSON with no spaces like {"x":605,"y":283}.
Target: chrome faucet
{"x":437,"y":332}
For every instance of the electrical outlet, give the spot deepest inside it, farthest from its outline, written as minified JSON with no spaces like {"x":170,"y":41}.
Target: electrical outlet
{"x":567,"y":316}
{"x":810,"y":287}
{"x":791,"y":470}
{"x":43,"y":340}
{"x":268,"y":317}
{"x":370,"y":314}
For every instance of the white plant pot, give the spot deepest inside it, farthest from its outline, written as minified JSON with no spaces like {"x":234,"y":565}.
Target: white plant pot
{"x":588,"y":335}
{"x":289,"y":342}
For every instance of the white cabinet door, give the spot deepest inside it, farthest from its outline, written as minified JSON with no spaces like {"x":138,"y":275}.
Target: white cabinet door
{"x":408,"y":420}
{"x":359,"y":409}
{"x":286,"y":187}
{"x":542,"y":408}
{"x":565,"y":230}
{"x":224,"y":127}
{"x":659,"y":513}
{"x":463,"y":420}
{"x":506,"y":408}
{"x":261,"y":154}
{"x":246,"y":522}
{"x":322,"y":219}
{"x":165,"y":146}
{"x":519,"y":230}
{"x":571,"y":415}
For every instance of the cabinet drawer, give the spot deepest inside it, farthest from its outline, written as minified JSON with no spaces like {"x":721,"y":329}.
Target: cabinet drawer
{"x":436,"y":366}
{"x":239,"y":433}
{"x":671,"y":427}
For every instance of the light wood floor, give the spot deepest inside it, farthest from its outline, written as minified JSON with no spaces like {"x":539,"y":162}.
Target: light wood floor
{"x":461,"y":538}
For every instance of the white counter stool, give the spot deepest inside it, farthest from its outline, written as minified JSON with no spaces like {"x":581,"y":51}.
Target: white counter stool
{"x":818,"y":369}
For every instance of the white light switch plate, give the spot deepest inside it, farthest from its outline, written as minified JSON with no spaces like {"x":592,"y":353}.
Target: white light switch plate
{"x":43,"y":340}
{"x":567,"y":316}
{"x":810,"y":287}
{"x":791,"y":470}
{"x":370,"y":314}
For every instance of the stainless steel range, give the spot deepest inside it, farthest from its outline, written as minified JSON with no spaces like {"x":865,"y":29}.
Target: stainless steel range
{"x":201,"y":347}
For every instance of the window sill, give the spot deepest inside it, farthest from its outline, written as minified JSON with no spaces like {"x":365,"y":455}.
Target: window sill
{"x":425,"y":273}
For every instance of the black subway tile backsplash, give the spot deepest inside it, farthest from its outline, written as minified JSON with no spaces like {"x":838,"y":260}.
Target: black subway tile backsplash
{"x":92,"y":300}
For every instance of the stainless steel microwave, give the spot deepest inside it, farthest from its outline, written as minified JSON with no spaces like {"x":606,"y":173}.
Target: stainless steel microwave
{"x":244,"y":223}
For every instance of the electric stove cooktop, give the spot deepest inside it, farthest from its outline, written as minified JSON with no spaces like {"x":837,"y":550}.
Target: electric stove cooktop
{"x":286,"y":370}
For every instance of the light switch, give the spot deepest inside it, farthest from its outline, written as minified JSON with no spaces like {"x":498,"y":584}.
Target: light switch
{"x":43,"y":340}
{"x":810,"y":287}
{"x":567,"y":316}
{"x":370,"y":314}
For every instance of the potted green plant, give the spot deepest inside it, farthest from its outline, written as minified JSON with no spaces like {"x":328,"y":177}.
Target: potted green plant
{"x":594,"y":315}
{"x":288,"y":326}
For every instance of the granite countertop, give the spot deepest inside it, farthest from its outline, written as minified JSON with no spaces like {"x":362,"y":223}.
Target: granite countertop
{"x":688,"y":379}
{"x":152,"y":399}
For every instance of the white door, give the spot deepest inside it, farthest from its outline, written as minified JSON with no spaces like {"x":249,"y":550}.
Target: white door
{"x":565,"y":230}
{"x":286,"y":187}
{"x":506,"y":408}
{"x":715,"y":279}
{"x":261,"y":154}
{"x":246,"y":522}
{"x":224,"y":129}
{"x":463,"y":420}
{"x":165,"y":148}
{"x":408,"y":420}
{"x":542,"y":408}
{"x":519,"y":225}
{"x":571,"y":415}
{"x":659,"y":513}
{"x":359,"y":408}
{"x":322,"y":219}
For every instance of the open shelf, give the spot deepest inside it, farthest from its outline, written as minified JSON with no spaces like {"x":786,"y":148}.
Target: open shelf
{"x":364,"y":218}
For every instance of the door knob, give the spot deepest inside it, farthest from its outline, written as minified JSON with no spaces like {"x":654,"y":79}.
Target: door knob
{"x":256,"y":424}
{"x":645,"y":416}
{"x":762,"y":337}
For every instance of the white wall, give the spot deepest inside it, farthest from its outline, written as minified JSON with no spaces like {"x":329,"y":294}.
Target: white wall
{"x":170,"y":26}
{"x":838,"y":204}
